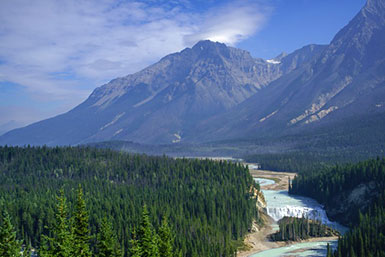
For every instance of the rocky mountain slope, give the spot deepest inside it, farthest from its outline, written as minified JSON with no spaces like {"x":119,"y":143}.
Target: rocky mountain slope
{"x":164,"y":102}
{"x":347,"y":80}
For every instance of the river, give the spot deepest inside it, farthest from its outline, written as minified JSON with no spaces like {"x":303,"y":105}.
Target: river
{"x":280,"y":204}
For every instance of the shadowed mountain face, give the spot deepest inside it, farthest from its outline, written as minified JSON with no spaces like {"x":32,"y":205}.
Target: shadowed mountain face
{"x":164,"y":102}
{"x":212,"y":91}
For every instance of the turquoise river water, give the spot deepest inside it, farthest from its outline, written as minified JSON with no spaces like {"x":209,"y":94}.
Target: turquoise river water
{"x":280,"y":204}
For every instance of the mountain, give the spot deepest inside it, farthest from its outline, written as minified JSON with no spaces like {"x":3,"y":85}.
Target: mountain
{"x":214,"y":92}
{"x":347,"y":80}
{"x":162,"y":103}
{"x":9,"y":126}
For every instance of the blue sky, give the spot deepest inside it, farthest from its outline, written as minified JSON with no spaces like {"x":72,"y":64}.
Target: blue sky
{"x":53,"y":53}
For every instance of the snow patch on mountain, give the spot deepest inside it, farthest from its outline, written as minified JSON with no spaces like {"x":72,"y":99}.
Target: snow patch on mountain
{"x":272,"y":61}
{"x":117,"y":117}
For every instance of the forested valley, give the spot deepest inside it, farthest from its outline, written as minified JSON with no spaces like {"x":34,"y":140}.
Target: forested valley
{"x":355,"y":195}
{"x":208,"y":204}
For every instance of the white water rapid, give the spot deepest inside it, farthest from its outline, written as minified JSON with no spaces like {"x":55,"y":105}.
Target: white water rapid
{"x":281,"y":204}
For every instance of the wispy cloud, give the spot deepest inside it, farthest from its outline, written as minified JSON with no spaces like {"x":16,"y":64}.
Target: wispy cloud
{"x":61,"y":50}
{"x":230,"y":23}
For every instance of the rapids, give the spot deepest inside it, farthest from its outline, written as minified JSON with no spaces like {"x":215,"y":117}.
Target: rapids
{"x":281,"y":204}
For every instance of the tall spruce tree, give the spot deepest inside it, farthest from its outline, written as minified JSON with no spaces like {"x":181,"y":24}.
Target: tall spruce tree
{"x":166,"y":239}
{"x":81,"y":233}
{"x":135,"y":250}
{"x":9,"y":245}
{"x":148,"y":240}
{"x":107,"y":243}
{"x":61,"y":243}
{"x":329,"y":251}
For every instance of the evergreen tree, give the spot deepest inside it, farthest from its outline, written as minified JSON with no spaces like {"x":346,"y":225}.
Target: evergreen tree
{"x":107,"y":243}
{"x":9,"y":245}
{"x":80,"y":229}
{"x":60,"y":244}
{"x":147,"y":237}
{"x":329,"y":251}
{"x":135,"y":249}
{"x":166,"y":239}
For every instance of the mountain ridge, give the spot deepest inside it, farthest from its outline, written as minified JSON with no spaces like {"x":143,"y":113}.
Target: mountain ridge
{"x":163,"y":102}
{"x":345,"y":80}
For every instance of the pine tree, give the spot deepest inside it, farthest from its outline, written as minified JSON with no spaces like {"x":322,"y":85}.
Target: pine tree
{"x":361,"y":245}
{"x":166,"y":239}
{"x":9,"y":245}
{"x":81,"y":232}
{"x":135,"y":249}
{"x":107,"y":243}
{"x":351,"y":252}
{"x":329,"y":251}
{"x":147,"y":237}
{"x":60,"y":244}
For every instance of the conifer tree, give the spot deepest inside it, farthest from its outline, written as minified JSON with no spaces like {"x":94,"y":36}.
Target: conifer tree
{"x":328,"y":251}
{"x":9,"y":245}
{"x":107,"y":243}
{"x":148,"y":240}
{"x":60,"y":244}
{"x":135,"y":249}
{"x":166,"y":239}
{"x":81,"y":233}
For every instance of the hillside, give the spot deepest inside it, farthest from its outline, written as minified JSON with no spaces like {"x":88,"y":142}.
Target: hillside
{"x":353,"y":195}
{"x":208,"y":203}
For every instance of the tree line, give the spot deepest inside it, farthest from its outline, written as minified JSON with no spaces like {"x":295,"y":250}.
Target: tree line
{"x":209,"y":204}
{"x":325,"y":185}
{"x":295,"y":229}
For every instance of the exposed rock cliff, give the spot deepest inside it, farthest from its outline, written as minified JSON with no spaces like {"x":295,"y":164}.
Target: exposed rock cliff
{"x":345,"y":205}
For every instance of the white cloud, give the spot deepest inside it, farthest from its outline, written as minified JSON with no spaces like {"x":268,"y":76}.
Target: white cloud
{"x":61,"y":50}
{"x":231,"y":23}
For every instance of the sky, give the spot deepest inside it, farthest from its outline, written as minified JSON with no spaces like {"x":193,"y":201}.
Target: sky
{"x":54,"y":53}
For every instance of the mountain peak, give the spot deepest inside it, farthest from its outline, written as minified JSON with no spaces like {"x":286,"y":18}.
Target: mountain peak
{"x":208,"y":46}
{"x":209,"y":50}
{"x":207,"y":43}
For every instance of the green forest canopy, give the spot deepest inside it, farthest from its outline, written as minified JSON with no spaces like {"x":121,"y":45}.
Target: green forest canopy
{"x":208,"y":203}
{"x":366,"y":237}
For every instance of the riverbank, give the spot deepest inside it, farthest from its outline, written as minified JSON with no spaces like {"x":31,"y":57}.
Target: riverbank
{"x":258,"y":241}
{"x":281,"y":178}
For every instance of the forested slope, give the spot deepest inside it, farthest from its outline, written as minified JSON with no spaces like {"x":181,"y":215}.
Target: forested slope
{"x":353,"y":194}
{"x":208,"y":203}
